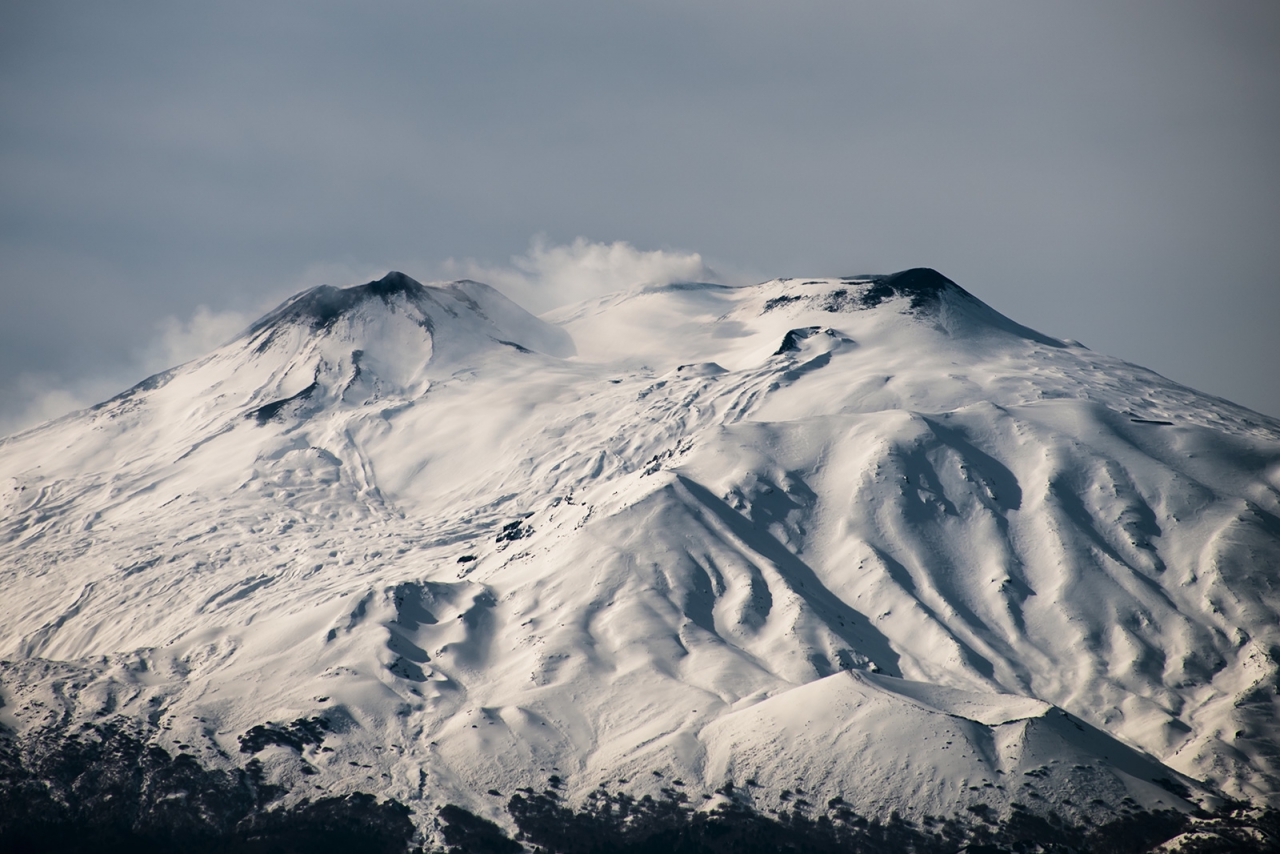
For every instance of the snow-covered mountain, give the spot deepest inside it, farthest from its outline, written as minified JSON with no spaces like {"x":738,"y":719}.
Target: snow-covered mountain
{"x":837,"y":549}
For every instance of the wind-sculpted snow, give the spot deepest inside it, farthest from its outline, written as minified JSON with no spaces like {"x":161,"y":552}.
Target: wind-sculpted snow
{"x":861,"y":538}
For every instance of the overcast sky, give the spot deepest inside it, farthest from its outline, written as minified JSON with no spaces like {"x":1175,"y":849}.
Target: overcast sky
{"x":1107,"y":171}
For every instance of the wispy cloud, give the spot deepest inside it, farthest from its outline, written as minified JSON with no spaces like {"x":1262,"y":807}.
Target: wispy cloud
{"x":550,"y":275}
{"x":546,"y":276}
{"x":176,"y":340}
{"x":183,"y":340}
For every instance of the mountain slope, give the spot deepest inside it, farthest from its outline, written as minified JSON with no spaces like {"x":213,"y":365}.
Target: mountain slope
{"x":863,"y":536}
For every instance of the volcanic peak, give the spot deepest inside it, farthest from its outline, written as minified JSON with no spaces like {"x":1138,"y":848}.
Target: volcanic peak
{"x":321,"y":306}
{"x":922,"y":284}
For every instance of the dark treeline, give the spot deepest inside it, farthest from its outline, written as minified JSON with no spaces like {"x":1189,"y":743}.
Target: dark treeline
{"x":106,"y":790}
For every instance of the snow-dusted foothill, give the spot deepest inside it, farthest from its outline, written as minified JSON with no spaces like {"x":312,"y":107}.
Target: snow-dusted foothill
{"x":842,"y":550}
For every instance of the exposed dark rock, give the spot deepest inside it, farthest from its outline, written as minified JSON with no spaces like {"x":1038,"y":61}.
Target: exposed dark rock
{"x":265,"y":413}
{"x":922,"y":284}
{"x":791,"y":341}
{"x":513,"y":531}
{"x":778,"y":302}
{"x":296,"y":735}
{"x":320,"y":307}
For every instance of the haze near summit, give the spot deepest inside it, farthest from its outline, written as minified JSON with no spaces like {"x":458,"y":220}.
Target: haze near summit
{"x":1096,"y":171}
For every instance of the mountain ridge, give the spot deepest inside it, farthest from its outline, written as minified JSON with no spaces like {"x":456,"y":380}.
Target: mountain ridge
{"x":635,"y":534}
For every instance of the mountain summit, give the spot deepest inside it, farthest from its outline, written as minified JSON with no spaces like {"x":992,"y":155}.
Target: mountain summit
{"x":855,"y":550}
{"x":463,"y":307}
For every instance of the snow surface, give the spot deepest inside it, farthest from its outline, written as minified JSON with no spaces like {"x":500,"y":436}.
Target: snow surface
{"x":859,"y":537}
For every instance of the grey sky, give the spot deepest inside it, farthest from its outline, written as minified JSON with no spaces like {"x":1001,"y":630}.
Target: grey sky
{"x":1106,"y":171}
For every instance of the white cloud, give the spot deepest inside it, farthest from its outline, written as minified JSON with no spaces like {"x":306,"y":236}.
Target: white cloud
{"x":34,"y":397}
{"x":45,"y":397}
{"x":48,"y":396}
{"x":181,"y":341}
{"x":543,"y":278}
{"x":549,"y":276}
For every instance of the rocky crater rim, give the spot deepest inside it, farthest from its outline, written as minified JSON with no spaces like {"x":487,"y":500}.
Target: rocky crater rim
{"x":921,"y":284}
{"x":321,"y":306}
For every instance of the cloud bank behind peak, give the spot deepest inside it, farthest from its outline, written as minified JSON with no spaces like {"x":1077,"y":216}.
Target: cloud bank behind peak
{"x":551,"y":275}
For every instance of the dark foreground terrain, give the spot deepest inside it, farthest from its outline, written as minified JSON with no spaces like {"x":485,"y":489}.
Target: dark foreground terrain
{"x":106,"y":790}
